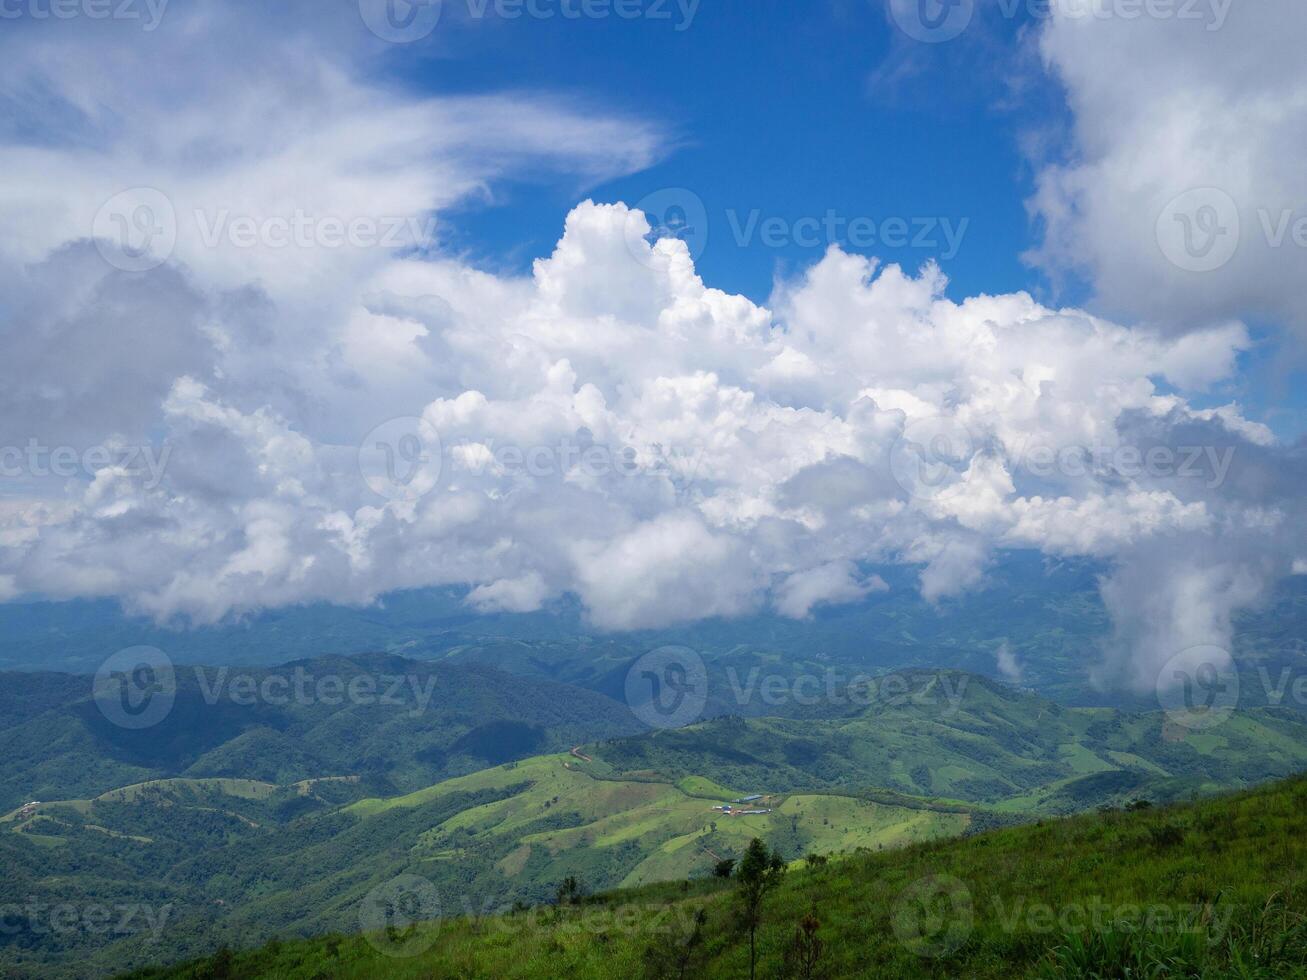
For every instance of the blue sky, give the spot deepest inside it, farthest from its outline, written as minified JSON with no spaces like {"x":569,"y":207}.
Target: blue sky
{"x":776,"y":109}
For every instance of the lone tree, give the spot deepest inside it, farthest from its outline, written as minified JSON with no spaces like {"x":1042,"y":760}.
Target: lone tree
{"x":723,"y":868}
{"x":804,"y":950}
{"x":569,"y":892}
{"x":759,"y":871}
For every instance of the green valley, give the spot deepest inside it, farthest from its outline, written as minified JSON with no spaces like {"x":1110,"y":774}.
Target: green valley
{"x":917,"y":757}
{"x":1211,"y":889}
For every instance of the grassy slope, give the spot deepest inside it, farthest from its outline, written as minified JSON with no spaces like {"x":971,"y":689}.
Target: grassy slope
{"x":1050,"y":899}
{"x":231,"y":872}
{"x":634,"y":831}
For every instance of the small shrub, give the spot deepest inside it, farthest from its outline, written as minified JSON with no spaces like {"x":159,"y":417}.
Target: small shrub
{"x":1167,"y":835}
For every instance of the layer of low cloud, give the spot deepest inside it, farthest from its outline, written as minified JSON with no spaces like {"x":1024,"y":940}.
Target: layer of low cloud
{"x":1008,"y":663}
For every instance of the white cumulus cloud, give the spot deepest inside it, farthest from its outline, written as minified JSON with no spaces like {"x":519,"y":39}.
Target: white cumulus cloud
{"x":608,"y":425}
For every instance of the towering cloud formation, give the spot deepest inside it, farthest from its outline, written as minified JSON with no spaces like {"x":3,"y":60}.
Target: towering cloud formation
{"x":613,"y":427}
{"x":334,"y":418}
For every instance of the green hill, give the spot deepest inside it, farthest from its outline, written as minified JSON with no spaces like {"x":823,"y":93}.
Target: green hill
{"x":443,"y":720}
{"x":959,"y":736}
{"x":554,"y":818}
{"x":1212,"y":889}
{"x":238,"y":858}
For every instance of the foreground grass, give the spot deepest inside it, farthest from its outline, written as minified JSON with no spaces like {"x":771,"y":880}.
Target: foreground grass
{"x":1211,"y":889}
